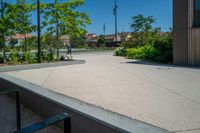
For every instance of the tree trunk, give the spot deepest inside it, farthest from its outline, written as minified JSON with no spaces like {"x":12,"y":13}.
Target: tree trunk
{"x":4,"y":49}
{"x":25,"y":46}
{"x":57,"y":37}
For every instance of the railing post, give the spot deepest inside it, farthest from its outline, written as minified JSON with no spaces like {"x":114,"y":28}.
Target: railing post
{"x":18,"y":111}
{"x":67,"y":125}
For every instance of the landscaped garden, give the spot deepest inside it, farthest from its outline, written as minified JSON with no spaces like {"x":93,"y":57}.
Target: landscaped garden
{"x":147,"y":42}
{"x":18,"y":42}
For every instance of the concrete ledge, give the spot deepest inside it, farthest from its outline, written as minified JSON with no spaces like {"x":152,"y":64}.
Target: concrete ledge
{"x":42,"y":65}
{"x":86,"y":118}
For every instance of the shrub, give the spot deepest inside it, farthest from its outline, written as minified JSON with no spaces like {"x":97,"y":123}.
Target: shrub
{"x":43,"y":56}
{"x":13,"y":57}
{"x":157,"y":48}
{"x":30,"y":57}
{"x":121,"y":51}
{"x":147,"y":52}
{"x":164,"y":45}
{"x":128,"y":44}
{"x":21,"y":57}
{"x":62,"y":58}
{"x":50,"y":57}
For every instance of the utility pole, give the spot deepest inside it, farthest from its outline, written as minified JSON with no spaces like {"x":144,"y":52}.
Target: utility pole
{"x":39,"y":30}
{"x":115,"y":14}
{"x":104,"y":30}
{"x":104,"y":34}
{"x":3,"y":32}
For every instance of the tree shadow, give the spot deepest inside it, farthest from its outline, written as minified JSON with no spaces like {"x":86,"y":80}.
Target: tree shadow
{"x":158,"y":64}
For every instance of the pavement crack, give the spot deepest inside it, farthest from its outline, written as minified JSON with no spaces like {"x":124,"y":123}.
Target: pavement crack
{"x":48,"y":77}
{"x":174,"y":92}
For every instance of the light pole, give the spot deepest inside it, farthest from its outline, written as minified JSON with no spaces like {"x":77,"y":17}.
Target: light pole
{"x":38,"y":28}
{"x":104,"y":34}
{"x":115,"y":14}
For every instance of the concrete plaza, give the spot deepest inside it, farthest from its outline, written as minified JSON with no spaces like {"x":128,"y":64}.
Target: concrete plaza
{"x":164,"y":96}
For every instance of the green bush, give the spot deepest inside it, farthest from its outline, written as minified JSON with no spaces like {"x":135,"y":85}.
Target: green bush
{"x":16,"y":57}
{"x":13,"y":57}
{"x":128,"y":44}
{"x":164,"y":45}
{"x":50,"y":57}
{"x":21,"y":57}
{"x":162,"y":53}
{"x":147,"y":52}
{"x":30,"y":58}
{"x":62,"y":58}
{"x":43,"y":56}
{"x":121,"y":51}
{"x":158,"y":47}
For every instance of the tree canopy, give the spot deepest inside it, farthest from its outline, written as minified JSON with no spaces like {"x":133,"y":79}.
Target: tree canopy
{"x":142,"y":24}
{"x":62,"y":17}
{"x":59,"y":18}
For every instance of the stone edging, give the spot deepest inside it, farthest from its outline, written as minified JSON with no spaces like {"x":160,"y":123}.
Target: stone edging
{"x":83,"y":114}
{"x":38,"y":66}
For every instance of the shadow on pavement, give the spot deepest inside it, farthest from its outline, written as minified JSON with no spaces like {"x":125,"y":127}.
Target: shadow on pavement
{"x":152,"y":63}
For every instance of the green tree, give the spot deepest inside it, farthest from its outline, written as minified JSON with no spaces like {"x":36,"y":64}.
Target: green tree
{"x":78,"y":42}
{"x":142,"y":24}
{"x":23,"y":22}
{"x":7,"y":24}
{"x":101,"y":41}
{"x":13,"y":42}
{"x":143,"y":29}
{"x":63,"y":18}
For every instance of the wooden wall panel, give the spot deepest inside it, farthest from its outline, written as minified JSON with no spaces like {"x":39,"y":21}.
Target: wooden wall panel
{"x":193,"y":38}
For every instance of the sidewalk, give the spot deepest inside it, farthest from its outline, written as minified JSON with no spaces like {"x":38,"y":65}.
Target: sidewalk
{"x":161,"y":95}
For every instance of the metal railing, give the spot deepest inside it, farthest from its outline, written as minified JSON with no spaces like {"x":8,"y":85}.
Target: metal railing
{"x":18,"y":116}
{"x":47,"y":122}
{"x":40,"y":125}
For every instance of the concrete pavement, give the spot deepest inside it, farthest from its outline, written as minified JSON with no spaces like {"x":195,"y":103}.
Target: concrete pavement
{"x":164,"y":96}
{"x":28,"y":117}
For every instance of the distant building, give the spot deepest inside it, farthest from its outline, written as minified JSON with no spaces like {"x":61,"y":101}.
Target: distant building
{"x":122,"y":36}
{"x":109,"y":39}
{"x":112,"y":38}
{"x":90,"y":36}
{"x":91,"y":39}
{"x":21,"y":38}
{"x":125,"y":36}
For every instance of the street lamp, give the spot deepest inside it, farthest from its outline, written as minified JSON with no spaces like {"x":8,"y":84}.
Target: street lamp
{"x":115,"y":14}
{"x":38,"y":28}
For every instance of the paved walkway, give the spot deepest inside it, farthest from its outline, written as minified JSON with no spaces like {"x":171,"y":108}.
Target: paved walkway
{"x":165,"y":96}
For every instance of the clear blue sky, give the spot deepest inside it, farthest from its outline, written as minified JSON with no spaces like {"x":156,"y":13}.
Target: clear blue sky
{"x":100,"y":12}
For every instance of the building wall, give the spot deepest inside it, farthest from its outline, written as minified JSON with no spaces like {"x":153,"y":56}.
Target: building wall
{"x":193,"y":37}
{"x":186,"y":37}
{"x":180,"y":27}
